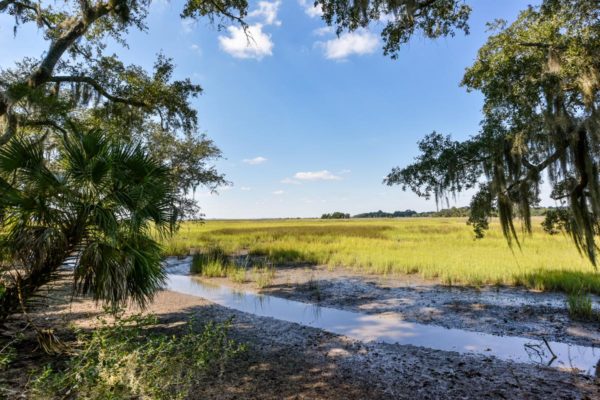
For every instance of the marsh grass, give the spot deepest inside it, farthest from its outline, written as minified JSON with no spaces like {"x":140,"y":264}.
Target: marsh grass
{"x":214,"y":263}
{"x":314,"y":288}
{"x":263,"y":275}
{"x":238,"y":275}
{"x":441,"y":249}
{"x":580,"y":307}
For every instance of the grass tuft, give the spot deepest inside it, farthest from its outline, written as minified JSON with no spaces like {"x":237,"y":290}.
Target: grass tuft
{"x":580,"y":307}
{"x":263,"y":275}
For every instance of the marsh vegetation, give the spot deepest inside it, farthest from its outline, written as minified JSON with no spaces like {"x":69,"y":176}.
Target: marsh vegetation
{"x":438,"y":249}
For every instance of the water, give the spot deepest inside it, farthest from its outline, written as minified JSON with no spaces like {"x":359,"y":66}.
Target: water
{"x":387,"y":329}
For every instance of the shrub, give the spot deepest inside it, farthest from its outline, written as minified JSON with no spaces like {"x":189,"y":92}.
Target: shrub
{"x":125,"y":360}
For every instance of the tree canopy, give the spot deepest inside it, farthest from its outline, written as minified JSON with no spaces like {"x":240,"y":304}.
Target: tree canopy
{"x":76,"y":79}
{"x":540,"y":77}
{"x":80,"y":136}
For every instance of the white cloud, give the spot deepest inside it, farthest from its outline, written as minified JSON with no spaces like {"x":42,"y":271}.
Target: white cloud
{"x":278,"y":192}
{"x":256,"y":44}
{"x":268,"y":11}
{"x":245,"y":188}
{"x":316,"y":176}
{"x":310,"y":9}
{"x":194,"y":47}
{"x":344,"y":171}
{"x":359,"y":42}
{"x":323,"y":31}
{"x":188,"y":25}
{"x":255,"y":161}
{"x":290,"y":181}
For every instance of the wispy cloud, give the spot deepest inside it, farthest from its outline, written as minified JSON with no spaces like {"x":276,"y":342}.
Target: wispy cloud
{"x":267,"y":11}
{"x":194,"y":47}
{"x":359,"y":42}
{"x":316,"y":176}
{"x":254,"y":161}
{"x":253,"y":43}
{"x":323,"y":31}
{"x":187,"y":25}
{"x":290,"y":181}
{"x":310,"y":9}
{"x":245,"y":188}
{"x":278,"y":192}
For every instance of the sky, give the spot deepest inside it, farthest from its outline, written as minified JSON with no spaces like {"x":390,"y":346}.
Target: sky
{"x":308,"y":122}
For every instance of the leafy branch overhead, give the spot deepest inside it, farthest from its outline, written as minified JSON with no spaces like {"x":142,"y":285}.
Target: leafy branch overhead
{"x":75,"y":79}
{"x":540,"y":77}
{"x":401,"y":19}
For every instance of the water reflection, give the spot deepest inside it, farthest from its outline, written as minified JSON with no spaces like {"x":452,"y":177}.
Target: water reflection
{"x":388,"y":329}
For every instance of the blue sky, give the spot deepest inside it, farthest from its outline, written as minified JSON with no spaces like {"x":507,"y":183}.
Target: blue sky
{"x":308,"y":122}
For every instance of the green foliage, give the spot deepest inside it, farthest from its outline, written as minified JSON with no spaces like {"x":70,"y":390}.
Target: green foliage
{"x":128,"y":359}
{"x":540,"y":80}
{"x":382,"y":214}
{"x":336,"y":215}
{"x":452,"y":212}
{"x":99,"y":197}
{"x":433,"y":19}
{"x":76,"y":81}
{"x":557,"y":220}
{"x":8,"y":354}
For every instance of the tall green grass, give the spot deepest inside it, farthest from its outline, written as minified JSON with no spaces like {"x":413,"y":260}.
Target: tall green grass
{"x":443,"y":249}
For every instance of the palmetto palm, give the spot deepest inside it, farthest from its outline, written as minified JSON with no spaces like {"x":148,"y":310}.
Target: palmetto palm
{"x":91,"y":197}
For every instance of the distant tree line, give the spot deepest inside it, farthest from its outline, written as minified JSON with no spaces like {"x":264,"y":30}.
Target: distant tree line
{"x":452,"y":212}
{"x":336,"y":215}
{"x":383,"y":214}
{"x":448,"y":212}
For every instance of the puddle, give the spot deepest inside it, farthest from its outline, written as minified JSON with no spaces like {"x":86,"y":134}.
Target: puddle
{"x":381,"y":328}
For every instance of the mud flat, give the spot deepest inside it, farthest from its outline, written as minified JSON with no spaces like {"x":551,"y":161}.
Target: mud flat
{"x":388,"y":370}
{"x":495,"y":310}
{"x":289,"y":360}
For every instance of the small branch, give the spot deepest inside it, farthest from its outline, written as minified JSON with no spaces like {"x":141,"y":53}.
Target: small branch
{"x":43,"y":122}
{"x":229,"y":15}
{"x":550,"y":349}
{"x":544,"y":164}
{"x":98,"y":87}
{"x":541,"y":45}
{"x":57,"y":48}
{"x":10,"y":127}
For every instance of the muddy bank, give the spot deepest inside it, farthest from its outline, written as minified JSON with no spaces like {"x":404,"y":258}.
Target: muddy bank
{"x":289,"y":361}
{"x":351,"y":369}
{"x":494,"y":310}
